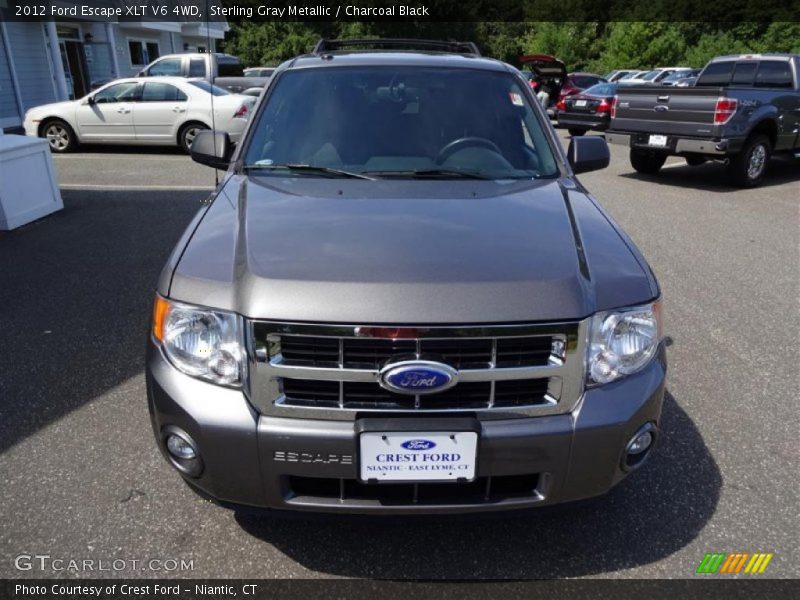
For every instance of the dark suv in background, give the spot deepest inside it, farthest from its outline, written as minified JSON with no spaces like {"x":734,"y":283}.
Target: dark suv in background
{"x":402,"y":300}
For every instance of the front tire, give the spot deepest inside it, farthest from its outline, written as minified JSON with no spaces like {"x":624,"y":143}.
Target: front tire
{"x":574,"y":132}
{"x":187,"y":134}
{"x":60,"y":136}
{"x":647,"y":161}
{"x":747,"y":168}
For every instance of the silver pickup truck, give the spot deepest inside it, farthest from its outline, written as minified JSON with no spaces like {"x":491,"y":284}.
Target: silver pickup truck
{"x":402,"y":300}
{"x":222,"y":70}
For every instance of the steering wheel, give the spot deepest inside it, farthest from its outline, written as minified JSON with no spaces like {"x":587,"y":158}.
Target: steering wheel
{"x":465,"y":142}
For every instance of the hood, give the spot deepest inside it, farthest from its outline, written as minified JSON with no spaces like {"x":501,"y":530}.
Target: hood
{"x":406,"y":252}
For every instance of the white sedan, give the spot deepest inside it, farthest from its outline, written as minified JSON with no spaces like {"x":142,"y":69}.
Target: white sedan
{"x":164,"y":111}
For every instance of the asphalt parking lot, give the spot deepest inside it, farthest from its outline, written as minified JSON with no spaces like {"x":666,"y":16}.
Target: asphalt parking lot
{"x":81,"y":478}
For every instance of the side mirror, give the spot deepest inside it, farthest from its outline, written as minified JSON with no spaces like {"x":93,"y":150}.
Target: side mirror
{"x":213,"y":149}
{"x":142,"y":73}
{"x":88,"y":100}
{"x":588,"y":154}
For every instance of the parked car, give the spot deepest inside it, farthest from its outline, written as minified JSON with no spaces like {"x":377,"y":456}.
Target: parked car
{"x":742,"y":110}
{"x":654,"y":76}
{"x":576,"y":83}
{"x":168,"y":111}
{"x":618,"y":74}
{"x":396,"y":303}
{"x":259,"y":72}
{"x":589,"y":109}
{"x":222,"y":70}
{"x":686,"y":82}
{"x":546,"y":75}
{"x":673,"y":78}
{"x":630,"y":76}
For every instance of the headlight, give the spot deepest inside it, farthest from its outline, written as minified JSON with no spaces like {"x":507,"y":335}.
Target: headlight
{"x":204,"y":343}
{"x":623,"y":341}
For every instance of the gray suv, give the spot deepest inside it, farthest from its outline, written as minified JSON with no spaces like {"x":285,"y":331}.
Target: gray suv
{"x":401,"y":300}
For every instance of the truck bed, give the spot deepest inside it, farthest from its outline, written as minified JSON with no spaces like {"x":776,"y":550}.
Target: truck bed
{"x":667,"y":110}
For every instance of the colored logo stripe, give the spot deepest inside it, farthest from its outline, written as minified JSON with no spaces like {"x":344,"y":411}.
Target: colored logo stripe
{"x":711,"y":562}
{"x":721,"y":562}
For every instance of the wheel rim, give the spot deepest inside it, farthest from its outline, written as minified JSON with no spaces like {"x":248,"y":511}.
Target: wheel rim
{"x":188,"y":137}
{"x":758,"y":158}
{"x":57,"y":137}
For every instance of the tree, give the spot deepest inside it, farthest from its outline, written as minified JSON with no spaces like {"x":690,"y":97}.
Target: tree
{"x":643,"y":45}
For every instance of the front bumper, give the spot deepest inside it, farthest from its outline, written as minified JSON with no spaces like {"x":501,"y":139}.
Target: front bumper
{"x":312,"y":465}
{"x":31,"y":127}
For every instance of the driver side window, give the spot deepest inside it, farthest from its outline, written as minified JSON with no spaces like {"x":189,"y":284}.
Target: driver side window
{"x":121,"y":92}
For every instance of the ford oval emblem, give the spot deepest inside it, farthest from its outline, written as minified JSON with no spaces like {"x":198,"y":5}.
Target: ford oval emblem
{"x":661,"y":108}
{"x":418,"y":444}
{"x":417,"y":377}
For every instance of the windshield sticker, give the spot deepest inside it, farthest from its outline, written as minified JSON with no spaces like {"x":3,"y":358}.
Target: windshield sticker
{"x":516,"y":99}
{"x":265,"y":161}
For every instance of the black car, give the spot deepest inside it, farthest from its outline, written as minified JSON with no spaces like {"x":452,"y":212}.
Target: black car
{"x":590,"y":109}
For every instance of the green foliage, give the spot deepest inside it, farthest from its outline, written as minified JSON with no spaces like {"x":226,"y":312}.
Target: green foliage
{"x":576,"y":43}
{"x":644,"y":45}
{"x":597,"y":46}
{"x":713,"y":44}
{"x":780,"y":37}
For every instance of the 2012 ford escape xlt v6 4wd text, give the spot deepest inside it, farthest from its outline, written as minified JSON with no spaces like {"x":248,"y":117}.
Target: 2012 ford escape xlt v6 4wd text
{"x":401,"y":299}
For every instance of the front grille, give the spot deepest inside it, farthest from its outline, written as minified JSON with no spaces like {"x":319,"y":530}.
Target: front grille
{"x":310,"y":351}
{"x":358,"y":395}
{"x":372,"y":353}
{"x":536,"y":369}
{"x":482,"y":490}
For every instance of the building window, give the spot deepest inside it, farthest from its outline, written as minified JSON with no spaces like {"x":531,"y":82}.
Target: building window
{"x":142,"y":52}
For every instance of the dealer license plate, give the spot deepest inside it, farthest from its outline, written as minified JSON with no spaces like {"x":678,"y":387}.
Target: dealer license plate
{"x":659,"y":141}
{"x":418,"y":456}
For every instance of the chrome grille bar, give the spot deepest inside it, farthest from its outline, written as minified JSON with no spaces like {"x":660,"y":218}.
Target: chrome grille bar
{"x":282,"y":369}
{"x":564,"y":375}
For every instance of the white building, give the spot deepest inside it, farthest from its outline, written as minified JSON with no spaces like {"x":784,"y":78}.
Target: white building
{"x":49,"y":62}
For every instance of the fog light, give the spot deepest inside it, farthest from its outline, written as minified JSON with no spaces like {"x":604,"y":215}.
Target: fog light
{"x":641,"y":443}
{"x":180,"y":448}
{"x":638,"y":447}
{"x":182,"y":451}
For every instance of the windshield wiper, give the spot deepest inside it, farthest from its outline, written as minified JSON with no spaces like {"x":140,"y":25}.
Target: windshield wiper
{"x":431,"y":174}
{"x":309,"y":169}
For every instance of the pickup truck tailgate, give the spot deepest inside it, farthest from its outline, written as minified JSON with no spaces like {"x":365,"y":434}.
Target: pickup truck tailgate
{"x":666,"y":110}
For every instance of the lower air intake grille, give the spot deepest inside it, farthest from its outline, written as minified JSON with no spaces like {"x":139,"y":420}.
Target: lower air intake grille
{"x":482,"y":490}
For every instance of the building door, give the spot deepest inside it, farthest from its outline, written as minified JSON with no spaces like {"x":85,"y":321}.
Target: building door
{"x":76,"y":67}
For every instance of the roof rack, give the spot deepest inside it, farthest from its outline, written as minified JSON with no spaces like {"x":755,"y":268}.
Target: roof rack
{"x":408,"y":44}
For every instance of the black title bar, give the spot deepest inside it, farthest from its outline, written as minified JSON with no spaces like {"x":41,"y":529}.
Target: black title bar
{"x":210,"y":11}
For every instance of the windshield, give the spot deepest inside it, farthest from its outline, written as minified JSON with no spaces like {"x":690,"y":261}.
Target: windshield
{"x":650,"y":75}
{"x":400,"y":122}
{"x":207,"y":87}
